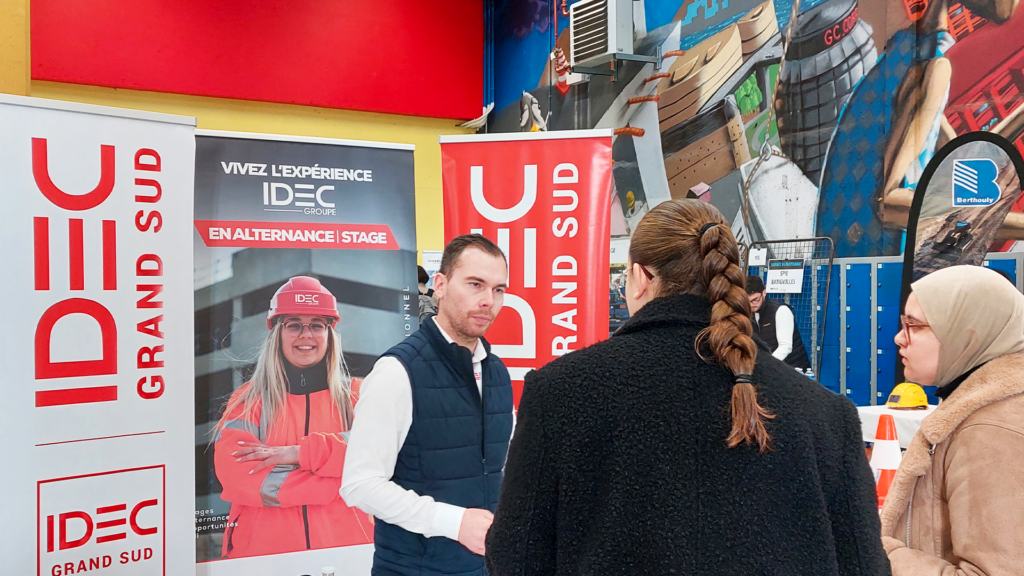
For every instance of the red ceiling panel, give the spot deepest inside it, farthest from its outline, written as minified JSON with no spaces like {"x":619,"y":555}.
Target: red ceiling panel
{"x":421,"y":58}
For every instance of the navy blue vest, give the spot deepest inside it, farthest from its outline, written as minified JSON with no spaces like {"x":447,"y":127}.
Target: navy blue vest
{"x":765,"y":328}
{"x":454,"y":453}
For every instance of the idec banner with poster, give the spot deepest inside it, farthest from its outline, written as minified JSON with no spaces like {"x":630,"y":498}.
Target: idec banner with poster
{"x":96,"y":417}
{"x":268,"y":209}
{"x":544,"y":198}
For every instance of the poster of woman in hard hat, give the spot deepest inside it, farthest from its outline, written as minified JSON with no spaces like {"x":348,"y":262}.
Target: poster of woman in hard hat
{"x":280,"y":445}
{"x":305,"y":272}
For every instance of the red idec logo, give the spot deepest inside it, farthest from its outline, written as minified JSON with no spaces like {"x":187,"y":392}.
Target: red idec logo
{"x":148,"y":266}
{"x":112,"y":521}
{"x":546,"y":203}
{"x":102,"y":514}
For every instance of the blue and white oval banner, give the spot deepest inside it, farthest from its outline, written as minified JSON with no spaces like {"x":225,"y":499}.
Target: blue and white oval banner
{"x":962,"y":204}
{"x":961,"y":209}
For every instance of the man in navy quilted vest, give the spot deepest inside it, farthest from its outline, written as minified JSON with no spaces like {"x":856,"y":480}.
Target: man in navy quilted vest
{"x":432,"y":426}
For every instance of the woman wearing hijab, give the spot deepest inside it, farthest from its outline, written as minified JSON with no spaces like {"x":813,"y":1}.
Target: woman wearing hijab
{"x":956,"y":507}
{"x":675,"y":447}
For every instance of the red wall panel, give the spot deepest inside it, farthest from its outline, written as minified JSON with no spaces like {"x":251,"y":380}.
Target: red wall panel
{"x":977,"y":55}
{"x":421,"y":58}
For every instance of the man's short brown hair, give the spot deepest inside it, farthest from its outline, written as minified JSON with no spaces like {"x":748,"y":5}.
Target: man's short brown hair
{"x":453,"y":251}
{"x":754,"y":285}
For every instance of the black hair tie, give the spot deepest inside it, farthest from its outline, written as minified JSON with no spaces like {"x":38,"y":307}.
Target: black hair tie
{"x":707,"y":227}
{"x":743,"y":379}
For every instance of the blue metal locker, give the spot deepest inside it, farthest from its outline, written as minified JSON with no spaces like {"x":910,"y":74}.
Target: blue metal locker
{"x":858,"y":367}
{"x":885,"y":373}
{"x":889,"y":276}
{"x":858,"y":284}
{"x":888,"y":318}
{"x":829,"y":376}
{"x":1008,"y":267}
{"x":858,"y":376}
{"x":858,"y":327}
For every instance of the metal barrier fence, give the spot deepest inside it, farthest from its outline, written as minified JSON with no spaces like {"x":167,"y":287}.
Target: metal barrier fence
{"x":810,"y":304}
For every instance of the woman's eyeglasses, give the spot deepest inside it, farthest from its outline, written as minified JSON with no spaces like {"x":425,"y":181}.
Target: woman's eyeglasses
{"x":295,"y":328}
{"x":620,"y":280}
{"x":906,"y":324}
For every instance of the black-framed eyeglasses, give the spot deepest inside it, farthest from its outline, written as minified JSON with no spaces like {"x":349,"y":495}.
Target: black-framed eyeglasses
{"x":294,"y":328}
{"x":620,"y":280}
{"x":756,"y":299}
{"x":907,"y":323}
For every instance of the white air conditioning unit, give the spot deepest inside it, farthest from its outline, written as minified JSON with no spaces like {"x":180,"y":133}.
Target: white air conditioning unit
{"x":600,"y":29}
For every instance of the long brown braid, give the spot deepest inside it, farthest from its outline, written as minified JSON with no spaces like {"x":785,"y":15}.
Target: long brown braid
{"x":692,"y":250}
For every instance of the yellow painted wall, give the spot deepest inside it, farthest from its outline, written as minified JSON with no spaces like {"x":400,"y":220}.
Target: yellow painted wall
{"x":14,"y":47}
{"x":245,"y":116}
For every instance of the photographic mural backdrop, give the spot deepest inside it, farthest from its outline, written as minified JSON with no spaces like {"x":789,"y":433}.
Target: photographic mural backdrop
{"x":870,"y":90}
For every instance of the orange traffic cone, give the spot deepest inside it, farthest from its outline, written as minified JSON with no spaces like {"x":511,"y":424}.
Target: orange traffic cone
{"x":563,"y":69}
{"x":885,"y":456}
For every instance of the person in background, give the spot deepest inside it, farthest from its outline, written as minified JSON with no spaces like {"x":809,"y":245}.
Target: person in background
{"x":422,"y":279}
{"x":280,"y":449}
{"x":775,"y":325}
{"x":674,"y":447}
{"x":956,"y":504}
{"x":431,"y":429}
{"x":428,"y":306}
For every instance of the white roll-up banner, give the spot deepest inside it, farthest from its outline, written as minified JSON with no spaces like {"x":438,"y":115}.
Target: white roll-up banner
{"x":97,"y":412}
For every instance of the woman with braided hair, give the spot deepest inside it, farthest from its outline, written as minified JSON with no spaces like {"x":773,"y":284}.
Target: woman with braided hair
{"x":675,"y":447}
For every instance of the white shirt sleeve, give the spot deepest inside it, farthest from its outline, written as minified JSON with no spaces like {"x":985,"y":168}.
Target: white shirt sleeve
{"x":383,"y":416}
{"x":784,"y":332}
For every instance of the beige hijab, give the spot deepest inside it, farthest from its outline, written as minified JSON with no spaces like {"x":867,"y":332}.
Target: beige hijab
{"x":975,"y":313}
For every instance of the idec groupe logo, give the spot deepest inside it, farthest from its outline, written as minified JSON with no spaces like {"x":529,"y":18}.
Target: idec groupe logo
{"x":311,"y":199}
{"x":109,"y":524}
{"x":281,"y":197}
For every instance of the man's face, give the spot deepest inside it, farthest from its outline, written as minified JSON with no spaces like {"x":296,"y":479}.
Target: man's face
{"x":756,"y":300}
{"x":471,"y":296}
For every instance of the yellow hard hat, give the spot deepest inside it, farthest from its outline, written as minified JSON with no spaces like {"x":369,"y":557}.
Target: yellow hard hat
{"x":908,"y":396}
{"x":630,"y":199}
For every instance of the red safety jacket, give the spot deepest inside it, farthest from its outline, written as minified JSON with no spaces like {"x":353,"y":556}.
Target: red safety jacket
{"x":287,"y":508}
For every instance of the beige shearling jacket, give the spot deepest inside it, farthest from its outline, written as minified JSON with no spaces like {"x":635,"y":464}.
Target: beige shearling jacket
{"x":956,"y":506}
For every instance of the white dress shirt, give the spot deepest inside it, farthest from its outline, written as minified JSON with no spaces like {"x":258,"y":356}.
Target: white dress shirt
{"x":383,"y":416}
{"x":784,"y":326}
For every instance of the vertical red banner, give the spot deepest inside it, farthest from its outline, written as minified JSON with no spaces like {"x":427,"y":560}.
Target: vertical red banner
{"x":545,"y":199}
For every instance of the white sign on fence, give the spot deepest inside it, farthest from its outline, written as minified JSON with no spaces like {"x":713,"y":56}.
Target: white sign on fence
{"x":758,"y":256}
{"x":785,"y":276}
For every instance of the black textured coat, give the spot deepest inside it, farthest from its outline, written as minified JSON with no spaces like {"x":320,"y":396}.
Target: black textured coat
{"x":619,"y":465}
